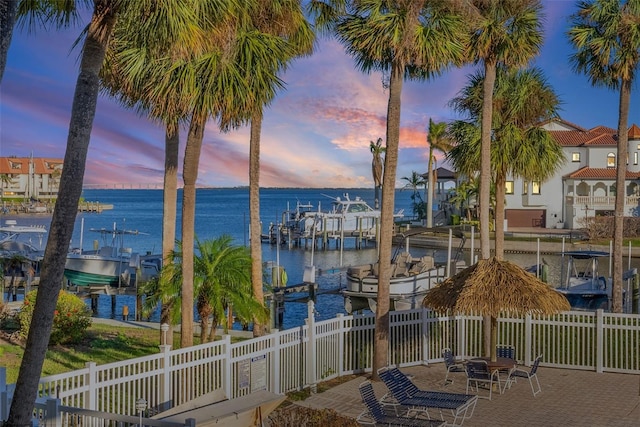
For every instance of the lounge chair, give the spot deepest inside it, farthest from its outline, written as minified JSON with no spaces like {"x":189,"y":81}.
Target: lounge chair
{"x":479,"y":375}
{"x":376,"y":415}
{"x":451,"y":364}
{"x":530,"y":375}
{"x":404,"y":393}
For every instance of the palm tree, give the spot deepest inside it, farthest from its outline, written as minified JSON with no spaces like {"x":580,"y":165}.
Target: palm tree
{"x":223,"y":280}
{"x":287,"y":22}
{"x":520,"y":148}
{"x":8,"y":14}
{"x":413,"y":183}
{"x":155,"y":27}
{"x":406,"y":38}
{"x":506,"y":32}
{"x":438,"y":141}
{"x":377,"y":150}
{"x":5,"y":179}
{"x":606,"y":37}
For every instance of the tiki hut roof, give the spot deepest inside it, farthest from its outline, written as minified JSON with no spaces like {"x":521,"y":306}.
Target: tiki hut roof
{"x":492,"y":286}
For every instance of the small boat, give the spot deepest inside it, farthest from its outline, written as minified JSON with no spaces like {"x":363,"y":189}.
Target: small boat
{"x":346,"y":218}
{"x":17,"y":240}
{"x":111,"y":264}
{"x":411,"y":278}
{"x":581,"y":282}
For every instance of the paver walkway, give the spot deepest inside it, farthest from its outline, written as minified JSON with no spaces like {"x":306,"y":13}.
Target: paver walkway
{"x":568,"y":398}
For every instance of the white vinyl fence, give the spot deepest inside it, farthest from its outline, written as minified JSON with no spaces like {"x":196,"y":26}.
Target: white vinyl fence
{"x":299,"y":358}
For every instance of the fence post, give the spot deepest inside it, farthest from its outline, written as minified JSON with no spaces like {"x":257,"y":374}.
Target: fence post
{"x":4,"y":395}
{"x":599,"y":340}
{"x":228,"y":366}
{"x":277,"y":377}
{"x":90,"y":383}
{"x":528,"y":339}
{"x":166,"y":399}
{"x":341,"y":319}
{"x":311,"y":347}
{"x":461,"y":339}
{"x":52,"y":416}
{"x":425,"y":336}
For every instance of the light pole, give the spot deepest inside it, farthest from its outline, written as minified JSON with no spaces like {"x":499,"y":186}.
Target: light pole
{"x":141,"y":405}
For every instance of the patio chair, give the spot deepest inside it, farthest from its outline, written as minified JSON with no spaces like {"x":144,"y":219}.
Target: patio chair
{"x":506,"y":350}
{"x":479,"y":375}
{"x":531,"y":375}
{"x":376,"y":415}
{"x":451,"y":364}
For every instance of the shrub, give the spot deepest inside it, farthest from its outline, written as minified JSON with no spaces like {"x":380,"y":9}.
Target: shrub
{"x":295,"y":416}
{"x":70,"y":319}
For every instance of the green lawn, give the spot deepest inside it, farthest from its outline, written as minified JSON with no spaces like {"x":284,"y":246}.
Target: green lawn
{"x":104,"y":344}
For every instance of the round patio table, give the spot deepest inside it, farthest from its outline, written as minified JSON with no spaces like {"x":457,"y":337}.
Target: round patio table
{"x":501,"y":363}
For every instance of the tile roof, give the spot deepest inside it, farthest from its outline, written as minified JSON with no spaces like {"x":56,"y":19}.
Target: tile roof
{"x":599,"y":135}
{"x":20,"y":165}
{"x":599,"y":173}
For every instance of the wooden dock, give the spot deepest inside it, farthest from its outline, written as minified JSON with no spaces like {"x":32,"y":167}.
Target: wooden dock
{"x":93,"y":207}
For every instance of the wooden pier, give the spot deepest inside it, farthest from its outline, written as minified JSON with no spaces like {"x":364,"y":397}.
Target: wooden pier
{"x":93,"y":207}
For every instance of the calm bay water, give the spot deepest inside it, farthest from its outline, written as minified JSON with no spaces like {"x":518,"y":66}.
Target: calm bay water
{"x":226,"y":211}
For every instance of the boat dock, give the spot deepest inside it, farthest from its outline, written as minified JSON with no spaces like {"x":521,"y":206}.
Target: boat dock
{"x":93,"y":207}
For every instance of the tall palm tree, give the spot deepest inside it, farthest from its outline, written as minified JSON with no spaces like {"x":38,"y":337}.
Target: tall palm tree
{"x":414,"y":182}
{"x":377,"y":150}
{"x":403,"y":39}
{"x":156,"y":26}
{"x":506,"y":32}
{"x":284,"y":19}
{"x":606,"y":37}
{"x":520,"y":148}
{"x":8,"y":14}
{"x":438,"y":141}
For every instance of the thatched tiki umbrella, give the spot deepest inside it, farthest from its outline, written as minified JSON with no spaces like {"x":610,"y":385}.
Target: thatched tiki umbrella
{"x":493,"y":286}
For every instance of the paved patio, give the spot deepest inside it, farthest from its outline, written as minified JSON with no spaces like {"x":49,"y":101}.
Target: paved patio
{"x":568,"y":398}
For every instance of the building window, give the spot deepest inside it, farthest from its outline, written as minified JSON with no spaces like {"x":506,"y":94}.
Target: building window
{"x":635,"y":158}
{"x":525,"y":187}
{"x":575,"y":157}
{"x":508,"y":187}
{"x":535,"y":187}
{"x":611,"y":160}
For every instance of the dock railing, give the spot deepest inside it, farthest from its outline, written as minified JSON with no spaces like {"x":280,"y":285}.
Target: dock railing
{"x":300,"y":358}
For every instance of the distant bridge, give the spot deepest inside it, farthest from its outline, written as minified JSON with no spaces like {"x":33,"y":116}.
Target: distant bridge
{"x":123,"y":186}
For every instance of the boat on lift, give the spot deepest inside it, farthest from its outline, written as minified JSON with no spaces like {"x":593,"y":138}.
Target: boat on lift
{"x":112,"y":263}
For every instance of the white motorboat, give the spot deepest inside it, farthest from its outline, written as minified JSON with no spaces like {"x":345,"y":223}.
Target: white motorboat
{"x":17,"y":240}
{"x":111,"y":264}
{"x":346,"y":218}
{"x":581,"y":282}
{"x":410,"y":281}
{"x":411,"y":278}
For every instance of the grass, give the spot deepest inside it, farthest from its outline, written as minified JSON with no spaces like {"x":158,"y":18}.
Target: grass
{"x":103,"y":344}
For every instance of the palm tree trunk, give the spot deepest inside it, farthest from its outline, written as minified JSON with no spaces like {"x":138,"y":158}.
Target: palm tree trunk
{"x":381,"y":342}
{"x":169,"y":202}
{"x":190,"y":177}
{"x":485,"y":178}
{"x":8,"y":14}
{"x":430,"y":193}
{"x":254,"y":215}
{"x":621,"y":172}
{"x":64,"y":215}
{"x":500,"y":196}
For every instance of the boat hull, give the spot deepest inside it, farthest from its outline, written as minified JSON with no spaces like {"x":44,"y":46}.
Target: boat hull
{"x":406,"y":288}
{"x":86,"y":270}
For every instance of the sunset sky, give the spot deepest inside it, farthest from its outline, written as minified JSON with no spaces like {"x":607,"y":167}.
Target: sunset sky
{"x":315,"y":134}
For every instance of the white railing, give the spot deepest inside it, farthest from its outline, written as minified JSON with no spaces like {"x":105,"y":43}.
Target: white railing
{"x":301,"y":357}
{"x":601,"y":200}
